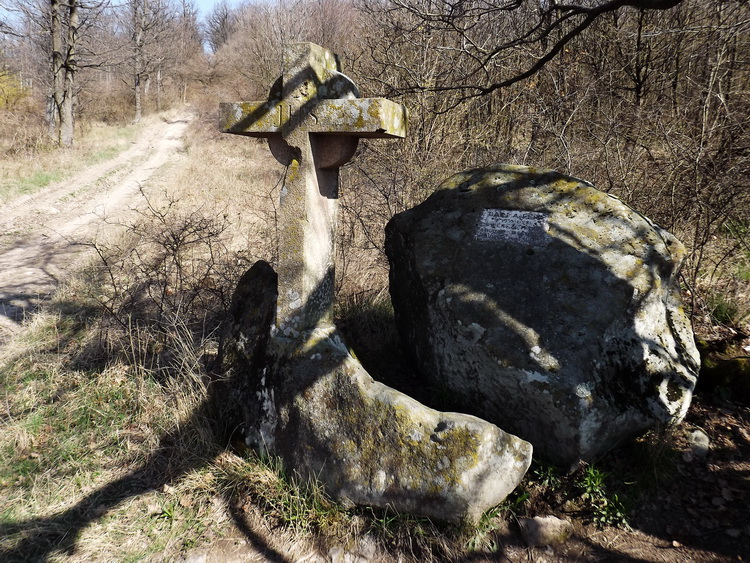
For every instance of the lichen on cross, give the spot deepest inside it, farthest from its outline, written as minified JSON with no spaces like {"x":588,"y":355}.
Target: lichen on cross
{"x":313,"y":120}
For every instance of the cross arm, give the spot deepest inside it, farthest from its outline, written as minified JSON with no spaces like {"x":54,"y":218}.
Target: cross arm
{"x":359,"y":117}
{"x":252,"y":119}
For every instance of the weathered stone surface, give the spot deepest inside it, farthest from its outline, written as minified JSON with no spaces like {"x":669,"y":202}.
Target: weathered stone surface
{"x":313,"y":120}
{"x":310,"y":402}
{"x":542,"y":531}
{"x":371,"y":445}
{"x":376,"y":117}
{"x":545,"y":306}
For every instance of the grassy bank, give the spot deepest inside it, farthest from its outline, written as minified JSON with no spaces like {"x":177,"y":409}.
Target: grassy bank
{"x":30,"y":163}
{"x":111,"y":447}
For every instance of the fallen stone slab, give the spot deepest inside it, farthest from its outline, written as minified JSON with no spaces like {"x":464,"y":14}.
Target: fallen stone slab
{"x":544,"y":306}
{"x":372,"y":445}
{"x":314,"y":406}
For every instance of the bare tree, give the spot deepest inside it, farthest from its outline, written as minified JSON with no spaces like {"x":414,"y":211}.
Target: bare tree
{"x":248,"y":60}
{"x":220,"y":25}
{"x":61,"y":27}
{"x":64,"y":24}
{"x":59,"y":30}
{"x":190,"y":47}
{"x":147,"y":23}
{"x":483,"y":39}
{"x":646,"y":102}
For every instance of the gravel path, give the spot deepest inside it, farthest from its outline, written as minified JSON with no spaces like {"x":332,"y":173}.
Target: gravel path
{"x":38,"y":232}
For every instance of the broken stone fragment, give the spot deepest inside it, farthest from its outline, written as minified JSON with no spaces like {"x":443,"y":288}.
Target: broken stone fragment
{"x":314,"y":406}
{"x":372,"y":445}
{"x":544,"y":306}
{"x":542,"y":531}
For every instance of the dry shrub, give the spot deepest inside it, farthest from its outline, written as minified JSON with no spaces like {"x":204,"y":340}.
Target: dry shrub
{"x":113,"y":106}
{"x":165,"y":284}
{"x":23,"y":132}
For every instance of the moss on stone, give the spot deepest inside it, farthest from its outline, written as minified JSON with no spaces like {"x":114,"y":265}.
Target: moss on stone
{"x":590,"y":295}
{"x":374,"y":445}
{"x":439,"y":455}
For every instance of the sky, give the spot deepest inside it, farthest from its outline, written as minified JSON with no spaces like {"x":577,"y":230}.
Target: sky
{"x":205,"y":6}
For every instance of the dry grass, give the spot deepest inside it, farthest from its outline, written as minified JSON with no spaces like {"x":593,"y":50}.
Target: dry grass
{"x":103,"y":452}
{"x":224,"y":178}
{"x":719,"y":294}
{"x":117,"y":459}
{"x":110,"y":447}
{"x":31,"y":163}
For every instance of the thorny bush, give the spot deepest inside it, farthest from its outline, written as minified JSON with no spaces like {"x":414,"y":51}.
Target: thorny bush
{"x":167,"y":281}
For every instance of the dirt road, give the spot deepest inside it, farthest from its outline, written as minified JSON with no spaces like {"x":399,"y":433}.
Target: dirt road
{"x":38,"y":232}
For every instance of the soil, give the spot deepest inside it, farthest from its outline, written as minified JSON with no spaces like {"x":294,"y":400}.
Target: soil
{"x":683,"y":504}
{"x":41,"y":234}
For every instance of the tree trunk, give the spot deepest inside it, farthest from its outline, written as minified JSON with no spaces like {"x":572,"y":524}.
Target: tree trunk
{"x":158,"y":88}
{"x":49,"y":115}
{"x":139,"y":14}
{"x":58,"y":76}
{"x":138,"y":104}
{"x":67,"y":108}
{"x":60,"y":111}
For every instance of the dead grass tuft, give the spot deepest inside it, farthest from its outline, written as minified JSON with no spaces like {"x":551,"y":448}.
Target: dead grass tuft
{"x":110,"y":447}
{"x":31,"y":162}
{"x":110,"y":444}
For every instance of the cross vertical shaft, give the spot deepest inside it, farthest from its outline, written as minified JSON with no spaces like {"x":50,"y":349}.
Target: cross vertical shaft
{"x":312,"y":120}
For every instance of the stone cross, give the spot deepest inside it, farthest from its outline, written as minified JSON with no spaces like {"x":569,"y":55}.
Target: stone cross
{"x":312,"y":120}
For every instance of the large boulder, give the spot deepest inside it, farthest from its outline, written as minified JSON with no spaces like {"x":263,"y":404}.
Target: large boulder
{"x":312,"y":404}
{"x":545,"y":306}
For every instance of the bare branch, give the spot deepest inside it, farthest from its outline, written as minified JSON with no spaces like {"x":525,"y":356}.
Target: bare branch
{"x":468,"y":28}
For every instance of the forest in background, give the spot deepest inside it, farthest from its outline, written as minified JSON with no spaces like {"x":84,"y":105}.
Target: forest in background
{"x":648,"y":104}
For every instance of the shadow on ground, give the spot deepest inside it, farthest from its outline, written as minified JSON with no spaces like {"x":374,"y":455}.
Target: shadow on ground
{"x":39,"y":539}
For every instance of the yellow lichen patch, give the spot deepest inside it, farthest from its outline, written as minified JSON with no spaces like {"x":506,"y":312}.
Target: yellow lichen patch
{"x":250,"y":118}
{"x":359,"y":122}
{"x":376,"y":446}
{"x":293,"y":170}
{"x":564,"y":185}
{"x":422,"y":451}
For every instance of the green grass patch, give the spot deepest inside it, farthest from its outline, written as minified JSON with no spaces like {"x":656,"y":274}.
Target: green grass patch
{"x":303,"y":507}
{"x":36,"y":169}
{"x":102,"y":155}
{"x":726,"y":309}
{"x":606,"y":509}
{"x":38,"y":180}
